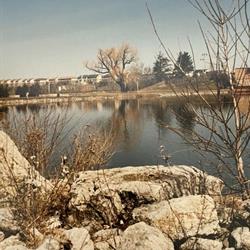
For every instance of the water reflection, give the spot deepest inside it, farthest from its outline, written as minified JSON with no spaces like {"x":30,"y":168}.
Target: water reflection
{"x":3,"y":113}
{"x":139,"y":126}
{"x":185,"y":117}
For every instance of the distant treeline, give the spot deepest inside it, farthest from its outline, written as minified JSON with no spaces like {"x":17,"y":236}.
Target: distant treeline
{"x":33,"y":90}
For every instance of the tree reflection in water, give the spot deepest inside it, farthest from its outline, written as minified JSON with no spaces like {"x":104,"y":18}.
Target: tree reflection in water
{"x":139,"y":125}
{"x":126,"y":120}
{"x":185,"y":117}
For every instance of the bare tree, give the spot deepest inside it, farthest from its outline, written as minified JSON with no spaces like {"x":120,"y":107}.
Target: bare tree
{"x":228,"y":45}
{"x":227,"y":133}
{"x":115,"y":62}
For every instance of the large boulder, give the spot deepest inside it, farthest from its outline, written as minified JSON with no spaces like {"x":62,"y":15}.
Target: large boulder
{"x":182,"y":217}
{"x":147,"y":183}
{"x":15,"y":169}
{"x":114,"y":193}
{"x":141,"y":236}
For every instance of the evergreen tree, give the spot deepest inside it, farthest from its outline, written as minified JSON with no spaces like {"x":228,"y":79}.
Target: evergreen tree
{"x":161,"y":67}
{"x":184,"y":64}
{"x":35,"y":89}
{"x":4,"y":91}
{"x":22,"y":90}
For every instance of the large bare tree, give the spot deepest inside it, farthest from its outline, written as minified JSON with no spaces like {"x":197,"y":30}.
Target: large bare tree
{"x":116,"y":62}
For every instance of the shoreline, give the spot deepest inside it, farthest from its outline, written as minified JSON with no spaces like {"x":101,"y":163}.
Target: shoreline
{"x":92,"y":96}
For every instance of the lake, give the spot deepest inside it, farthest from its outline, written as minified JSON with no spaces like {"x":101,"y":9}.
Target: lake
{"x":140,"y":126}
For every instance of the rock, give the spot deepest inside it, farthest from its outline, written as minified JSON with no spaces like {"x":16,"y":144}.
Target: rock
{"x":109,"y":244}
{"x":234,"y":210}
{"x":241,"y":235}
{"x":181,"y":217}
{"x":114,"y":193}
{"x":149,"y":183}
{"x":91,"y":225}
{"x":104,"y":235}
{"x":141,"y":236}
{"x":49,"y":244}
{"x":242,"y":213}
{"x":107,"y":239}
{"x":14,"y":242}
{"x":107,"y":205}
{"x":80,"y":239}
{"x":7,"y":223}
{"x":15,"y":169}
{"x":201,"y":244}
{"x":102,"y":245}
{"x":19,"y":247}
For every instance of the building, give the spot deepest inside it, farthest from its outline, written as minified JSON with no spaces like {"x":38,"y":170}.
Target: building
{"x":241,"y":79}
{"x":242,"y":76}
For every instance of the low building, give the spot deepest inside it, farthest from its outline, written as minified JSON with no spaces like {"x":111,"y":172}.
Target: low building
{"x":241,"y":79}
{"x":242,"y":76}
{"x":41,"y":81}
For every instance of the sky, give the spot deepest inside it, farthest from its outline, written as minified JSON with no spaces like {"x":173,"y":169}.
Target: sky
{"x":51,"y":38}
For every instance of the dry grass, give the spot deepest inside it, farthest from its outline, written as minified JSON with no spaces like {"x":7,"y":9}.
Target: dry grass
{"x":37,"y":211}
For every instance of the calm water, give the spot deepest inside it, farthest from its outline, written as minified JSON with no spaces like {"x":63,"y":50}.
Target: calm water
{"x":140,"y":126}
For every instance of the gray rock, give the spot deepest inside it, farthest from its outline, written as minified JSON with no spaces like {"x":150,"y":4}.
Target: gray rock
{"x":141,"y":236}
{"x":241,"y":236}
{"x":49,"y":244}
{"x":181,"y":217}
{"x":201,"y":244}
{"x":80,"y":239}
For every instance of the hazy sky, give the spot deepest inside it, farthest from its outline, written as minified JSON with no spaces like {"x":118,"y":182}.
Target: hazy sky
{"x":48,"y":38}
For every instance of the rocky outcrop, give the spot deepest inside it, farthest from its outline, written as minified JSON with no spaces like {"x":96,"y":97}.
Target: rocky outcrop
{"x":148,"y":183}
{"x":120,"y":190}
{"x":150,"y":207}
